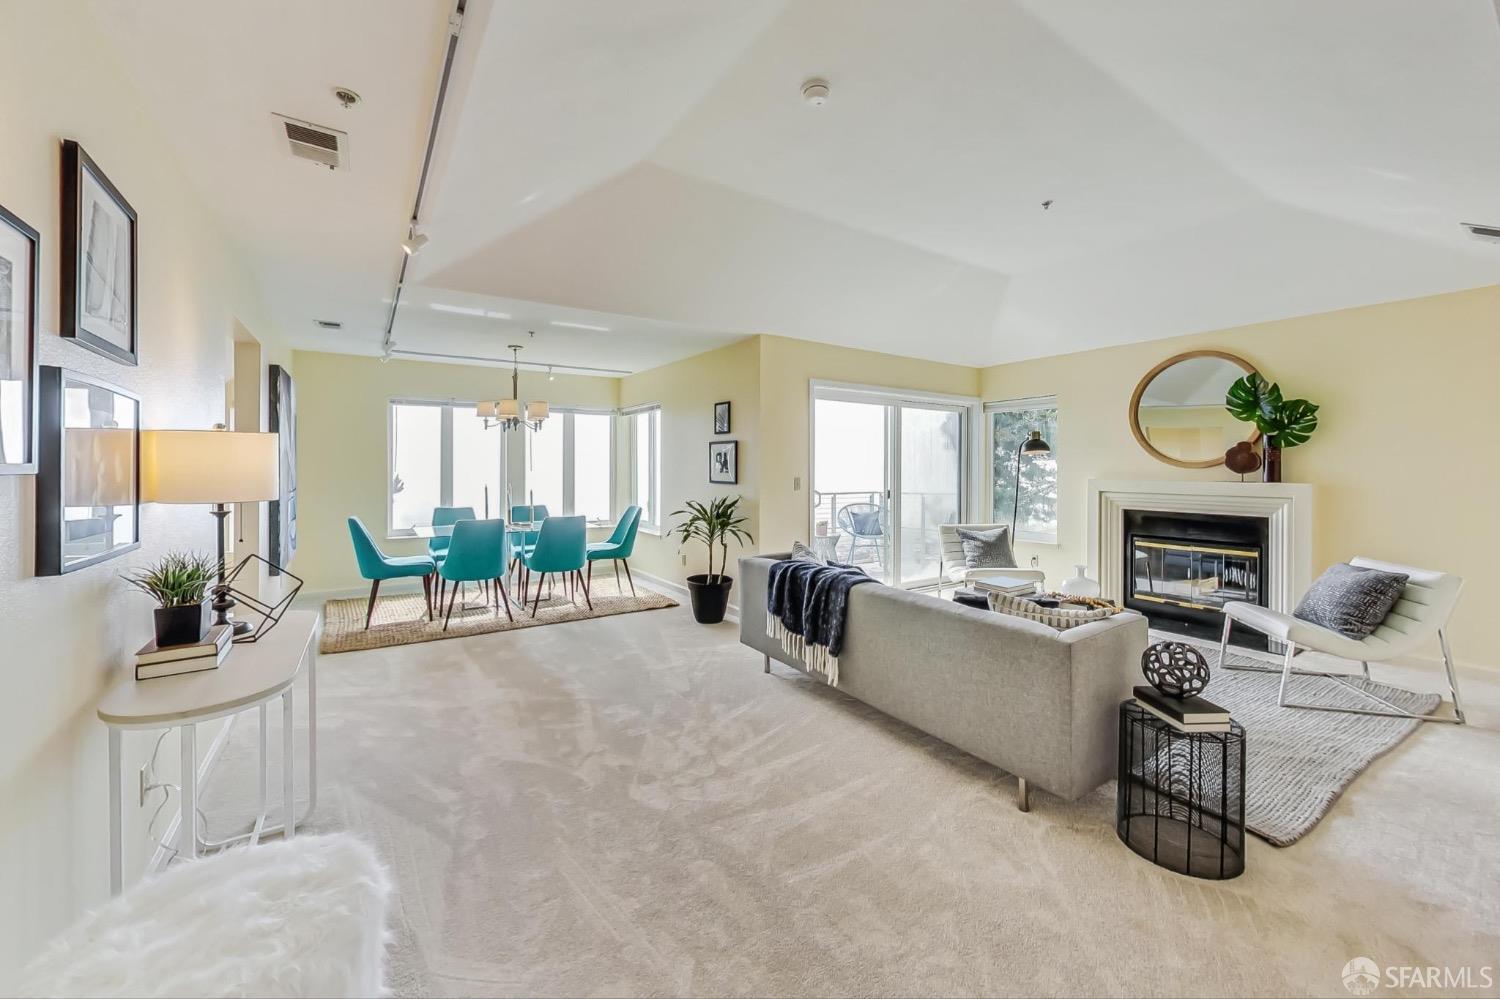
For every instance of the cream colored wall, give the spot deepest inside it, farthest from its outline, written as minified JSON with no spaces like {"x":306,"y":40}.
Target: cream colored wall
{"x":342,"y":404}
{"x":687,"y":391}
{"x":1403,"y":460}
{"x":786,"y":368}
{"x":66,"y":638}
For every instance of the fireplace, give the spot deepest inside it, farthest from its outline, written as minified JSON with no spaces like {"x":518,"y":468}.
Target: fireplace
{"x":1181,"y":568}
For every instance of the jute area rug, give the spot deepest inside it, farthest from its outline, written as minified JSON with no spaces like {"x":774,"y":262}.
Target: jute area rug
{"x":401,"y":618}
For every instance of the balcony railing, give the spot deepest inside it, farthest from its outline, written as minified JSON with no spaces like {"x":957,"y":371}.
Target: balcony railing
{"x":921,"y":543}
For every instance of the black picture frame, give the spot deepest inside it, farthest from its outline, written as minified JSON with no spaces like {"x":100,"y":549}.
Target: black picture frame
{"x":79,"y":320}
{"x":724,"y":462}
{"x":282,"y":512}
{"x":721,"y":417}
{"x":25,"y":462}
{"x":54,"y":532}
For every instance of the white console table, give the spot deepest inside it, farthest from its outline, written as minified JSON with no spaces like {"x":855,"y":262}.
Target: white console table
{"x":252,"y":675}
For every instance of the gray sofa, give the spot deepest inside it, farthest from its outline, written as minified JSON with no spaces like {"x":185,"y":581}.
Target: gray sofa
{"x":1038,"y":703}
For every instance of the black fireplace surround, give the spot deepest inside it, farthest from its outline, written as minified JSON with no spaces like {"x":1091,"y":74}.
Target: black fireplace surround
{"x":1181,"y":568}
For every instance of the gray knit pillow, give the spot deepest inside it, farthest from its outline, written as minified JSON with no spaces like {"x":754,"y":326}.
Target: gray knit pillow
{"x":1350,"y":600}
{"x":987,"y":549}
{"x":802,"y":553}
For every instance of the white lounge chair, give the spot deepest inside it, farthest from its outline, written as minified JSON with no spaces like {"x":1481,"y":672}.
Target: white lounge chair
{"x":954,"y":568}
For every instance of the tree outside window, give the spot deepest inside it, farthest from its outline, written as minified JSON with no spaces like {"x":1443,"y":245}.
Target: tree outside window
{"x":1010,"y":424}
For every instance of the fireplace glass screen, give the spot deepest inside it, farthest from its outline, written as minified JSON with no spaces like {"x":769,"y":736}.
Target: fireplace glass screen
{"x":1199,"y":576}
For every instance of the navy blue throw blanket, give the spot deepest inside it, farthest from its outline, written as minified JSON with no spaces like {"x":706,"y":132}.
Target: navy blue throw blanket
{"x":806,"y":603}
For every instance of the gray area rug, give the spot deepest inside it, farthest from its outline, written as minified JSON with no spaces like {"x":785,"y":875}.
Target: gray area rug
{"x":1298,"y":762}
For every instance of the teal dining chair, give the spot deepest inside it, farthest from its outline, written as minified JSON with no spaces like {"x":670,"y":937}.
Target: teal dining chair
{"x":561,"y":547}
{"x":478,"y":554}
{"x":522,"y":540}
{"x":619,"y":547}
{"x":376,"y":566}
{"x":446,"y":516}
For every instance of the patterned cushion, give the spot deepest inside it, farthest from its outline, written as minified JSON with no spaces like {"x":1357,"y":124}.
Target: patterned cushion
{"x":987,"y":549}
{"x":1350,"y":600}
{"x":1053,"y":617}
{"x":865,"y":524}
{"x":802,"y":553}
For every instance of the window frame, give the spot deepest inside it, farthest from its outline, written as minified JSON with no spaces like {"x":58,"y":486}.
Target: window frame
{"x":653,"y":469}
{"x":1015,"y":405}
{"x":569,"y":460}
{"x":448,"y":408}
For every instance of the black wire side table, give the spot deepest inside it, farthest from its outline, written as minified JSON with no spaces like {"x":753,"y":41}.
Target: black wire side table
{"x":1181,"y":797}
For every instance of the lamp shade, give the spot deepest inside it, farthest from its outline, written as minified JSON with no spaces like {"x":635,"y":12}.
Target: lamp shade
{"x":98,"y":466}
{"x":208,"y":466}
{"x":507,"y":409}
{"x":1035,"y":445}
{"x":537,"y":411}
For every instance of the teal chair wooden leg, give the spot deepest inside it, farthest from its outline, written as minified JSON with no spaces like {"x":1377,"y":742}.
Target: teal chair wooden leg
{"x":626,"y":561}
{"x":370,"y":610}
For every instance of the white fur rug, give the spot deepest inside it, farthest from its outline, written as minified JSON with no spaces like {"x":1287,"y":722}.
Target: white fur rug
{"x":299,"y":918}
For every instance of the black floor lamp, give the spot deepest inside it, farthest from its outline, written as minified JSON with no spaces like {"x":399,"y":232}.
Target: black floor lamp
{"x":1034,"y":446}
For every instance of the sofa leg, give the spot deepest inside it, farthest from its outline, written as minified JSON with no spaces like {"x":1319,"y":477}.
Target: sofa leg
{"x":1023,"y":794}
{"x":768,"y":664}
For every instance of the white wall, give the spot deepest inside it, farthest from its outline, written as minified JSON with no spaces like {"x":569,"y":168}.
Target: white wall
{"x":64,"y":639}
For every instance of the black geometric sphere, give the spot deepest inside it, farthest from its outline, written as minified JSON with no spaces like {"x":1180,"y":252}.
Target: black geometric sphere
{"x":1176,"y":669}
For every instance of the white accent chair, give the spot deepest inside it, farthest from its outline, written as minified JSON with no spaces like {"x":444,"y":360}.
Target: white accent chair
{"x":953,"y":567}
{"x":1423,"y":611}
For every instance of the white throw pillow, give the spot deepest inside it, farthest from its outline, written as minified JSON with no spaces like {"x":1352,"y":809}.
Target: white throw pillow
{"x":1053,"y":617}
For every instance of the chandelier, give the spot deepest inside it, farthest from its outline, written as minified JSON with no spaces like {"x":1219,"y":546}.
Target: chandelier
{"x":507,"y":413}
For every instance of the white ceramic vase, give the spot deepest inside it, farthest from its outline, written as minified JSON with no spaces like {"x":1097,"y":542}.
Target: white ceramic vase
{"x":1079,"y":585}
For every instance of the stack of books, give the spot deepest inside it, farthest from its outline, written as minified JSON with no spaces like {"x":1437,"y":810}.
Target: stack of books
{"x":153,"y":661}
{"x":1186,"y":714}
{"x":1003,"y":584}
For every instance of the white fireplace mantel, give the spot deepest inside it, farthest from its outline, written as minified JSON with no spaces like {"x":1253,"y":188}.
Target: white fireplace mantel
{"x":1286,"y":506}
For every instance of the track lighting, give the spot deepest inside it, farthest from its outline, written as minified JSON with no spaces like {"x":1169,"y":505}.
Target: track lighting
{"x":550,"y":376}
{"x":414,"y":243}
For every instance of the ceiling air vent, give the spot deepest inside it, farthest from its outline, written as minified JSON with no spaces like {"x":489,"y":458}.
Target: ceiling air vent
{"x":329,"y":324}
{"x":318,"y":143}
{"x":1489,"y":233}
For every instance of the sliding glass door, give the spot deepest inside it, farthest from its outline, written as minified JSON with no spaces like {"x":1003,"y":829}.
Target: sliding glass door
{"x":886,"y":472}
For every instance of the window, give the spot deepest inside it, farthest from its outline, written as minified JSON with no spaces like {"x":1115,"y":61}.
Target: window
{"x":440,"y":455}
{"x":643,"y":430}
{"x":1010,"y":423}
{"x":570,"y":463}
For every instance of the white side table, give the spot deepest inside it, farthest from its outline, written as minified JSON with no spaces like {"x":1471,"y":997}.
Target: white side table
{"x":253,"y":675}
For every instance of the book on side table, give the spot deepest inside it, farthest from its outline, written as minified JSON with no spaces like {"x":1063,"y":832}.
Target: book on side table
{"x":155,"y":661}
{"x":1009,"y":585}
{"x":1186,"y":714}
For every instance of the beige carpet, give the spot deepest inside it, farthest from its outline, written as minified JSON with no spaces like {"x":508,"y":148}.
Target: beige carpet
{"x":401,"y":618}
{"x":629,"y":806}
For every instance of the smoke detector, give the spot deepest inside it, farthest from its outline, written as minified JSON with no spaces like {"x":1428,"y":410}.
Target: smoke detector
{"x":318,"y":143}
{"x":1488,"y":233}
{"x":815,"y":92}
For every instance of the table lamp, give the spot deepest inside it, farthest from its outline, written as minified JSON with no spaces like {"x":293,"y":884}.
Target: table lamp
{"x":216,"y":467}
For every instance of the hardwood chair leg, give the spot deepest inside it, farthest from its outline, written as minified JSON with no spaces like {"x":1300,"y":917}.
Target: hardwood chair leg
{"x":504,"y":599}
{"x":586,"y":598}
{"x":617,"y":572}
{"x":538,"y":599}
{"x":627,"y":576}
{"x":452,"y":597}
{"x":427,"y":594}
{"x":370,"y":610}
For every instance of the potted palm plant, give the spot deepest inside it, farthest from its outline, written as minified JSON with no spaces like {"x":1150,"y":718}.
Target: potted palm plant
{"x":1283,"y":423}
{"x":712,"y":524}
{"x":180,"y":583}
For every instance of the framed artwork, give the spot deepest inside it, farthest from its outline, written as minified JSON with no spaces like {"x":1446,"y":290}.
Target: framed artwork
{"x":88,"y":495}
{"x":283,"y":511}
{"x":19,"y":255}
{"x":721,"y":417}
{"x":98,"y":282}
{"x":724,"y":462}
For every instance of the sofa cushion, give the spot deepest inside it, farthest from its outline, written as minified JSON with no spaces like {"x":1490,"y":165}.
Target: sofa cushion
{"x":802,"y":553}
{"x":987,"y":549}
{"x":1351,"y":600}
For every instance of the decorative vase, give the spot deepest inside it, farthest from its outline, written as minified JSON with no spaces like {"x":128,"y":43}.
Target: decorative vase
{"x":1080,"y":585}
{"x":185,"y":624}
{"x":710,"y":596}
{"x":1270,"y":468}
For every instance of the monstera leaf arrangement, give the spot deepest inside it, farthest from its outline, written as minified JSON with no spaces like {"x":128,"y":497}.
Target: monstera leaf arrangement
{"x":1282,"y":422}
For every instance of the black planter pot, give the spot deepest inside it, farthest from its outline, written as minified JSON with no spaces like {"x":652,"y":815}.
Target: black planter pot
{"x":184,"y":625}
{"x":710,"y":599}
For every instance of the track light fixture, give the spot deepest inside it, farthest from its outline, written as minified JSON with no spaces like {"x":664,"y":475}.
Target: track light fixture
{"x":413,"y":244}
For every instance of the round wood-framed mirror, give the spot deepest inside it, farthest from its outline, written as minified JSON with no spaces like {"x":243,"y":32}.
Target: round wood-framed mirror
{"x":1177,"y":410}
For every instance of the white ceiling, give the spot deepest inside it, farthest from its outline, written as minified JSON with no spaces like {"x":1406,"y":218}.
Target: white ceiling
{"x":651,"y":168}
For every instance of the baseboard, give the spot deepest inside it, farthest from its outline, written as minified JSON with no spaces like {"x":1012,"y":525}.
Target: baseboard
{"x":314,"y":600}
{"x":679,"y":592}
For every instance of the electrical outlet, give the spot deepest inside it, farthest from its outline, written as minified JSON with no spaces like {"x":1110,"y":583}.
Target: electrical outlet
{"x":684,"y":558}
{"x":1036,"y":562}
{"x":796,"y":483}
{"x":144,"y":767}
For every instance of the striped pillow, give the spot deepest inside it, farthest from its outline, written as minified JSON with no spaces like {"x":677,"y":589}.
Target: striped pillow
{"x":1053,"y":617}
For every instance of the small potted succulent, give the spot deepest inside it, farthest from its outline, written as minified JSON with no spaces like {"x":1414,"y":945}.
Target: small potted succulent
{"x":713,"y":524}
{"x":181,"y":584}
